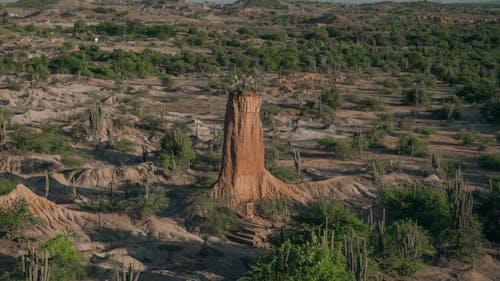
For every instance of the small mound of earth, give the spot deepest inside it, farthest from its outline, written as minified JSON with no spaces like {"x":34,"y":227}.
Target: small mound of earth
{"x":56,"y":218}
{"x":167,"y":229}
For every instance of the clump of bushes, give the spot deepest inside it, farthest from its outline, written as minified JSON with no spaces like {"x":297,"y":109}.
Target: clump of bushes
{"x":47,"y":141}
{"x":468,"y":138}
{"x":371,"y":104}
{"x":341,"y":149}
{"x":413,"y":146}
{"x":16,"y":219}
{"x":66,"y":262}
{"x":424,"y":130}
{"x":212,"y":216}
{"x":490,"y":161}
{"x":177,"y":151}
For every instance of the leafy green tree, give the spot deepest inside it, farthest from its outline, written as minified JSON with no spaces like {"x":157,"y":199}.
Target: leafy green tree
{"x":413,"y":146}
{"x":15,"y":219}
{"x":66,"y":262}
{"x":177,"y":148}
{"x":307,"y":262}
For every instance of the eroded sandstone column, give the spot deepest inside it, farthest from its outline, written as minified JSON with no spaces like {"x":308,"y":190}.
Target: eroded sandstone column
{"x":243,"y":177}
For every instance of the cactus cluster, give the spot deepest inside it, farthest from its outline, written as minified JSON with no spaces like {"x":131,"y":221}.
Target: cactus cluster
{"x":297,"y":160}
{"x":4,"y":123}
{"x":409,"y":240}
{"x":127,"y":273}
{"x":461,"y":202}
{"x":356,"y":253}
{"x":35,"y":265}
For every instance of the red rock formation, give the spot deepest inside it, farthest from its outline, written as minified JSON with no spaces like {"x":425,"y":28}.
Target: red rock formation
{"x":243,"y":177}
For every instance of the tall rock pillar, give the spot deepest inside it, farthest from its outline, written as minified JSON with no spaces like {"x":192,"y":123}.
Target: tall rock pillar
{"x":243,"y":177}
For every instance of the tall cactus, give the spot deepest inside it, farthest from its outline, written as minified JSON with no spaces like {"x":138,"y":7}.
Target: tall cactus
{"x":297,"y":160}
{"x":356,"y":253}
{"x":127,"y":273}
{"x":460,"y":201}
{"x":47,"y":183}
{"x":35,"y":266}
{"x":436,"y":162}
{"x":96,"y":120}
{"x":4,"y":123}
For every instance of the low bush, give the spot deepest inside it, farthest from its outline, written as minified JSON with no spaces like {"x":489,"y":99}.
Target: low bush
{"x":6,"y":185}
{"x":48,"y":141}
{"x":490,"y":161}
{"x":489,"y":210}
{"x":468,"y":138}
{"x":413,"y":146}
{"x":371,"y":104}
{"x":66,"y":262}
{"x":340,"y":149}
{"x":15,"y":219}
{"x":141,"y":207}
{"x":406,"y":246}
{"x":330,"y":97}
{"x":424,"y":130}
{"x":491,"y":111}
{"x":425,"y":205}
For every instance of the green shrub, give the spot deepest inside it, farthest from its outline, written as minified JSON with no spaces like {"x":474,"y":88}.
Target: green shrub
{"x":299,"y":262}
{"x":416,"y":96}
{"x":425,"y":205}
{"x":468,"y":138}
{"x":489,"y":210}
{"x":48,"y":141}
{"x":142,"y":207}
{"x":447,"y":111}
{"x":273,"y":209}
{"x":66,"y":262}
{"x":124,"y":145}
{"x":330,"y":97}
{"x":339,"y":219}
{"x":424,"y":130}
{"x":16,"y":219}
{"x":462,"y":244}
{"x":6,"y":185}
{"x":413,"y":146}
{"x":341,"y":149}
{"x":406,"y":246}
{"x":213,"y":216}
{"x":490,"y":161}
{"x":371,"y":104}
{"x":491,"y":111}
{"x":177,"y":147}
{"x":282,"y":172}
{"x":206,"y":179}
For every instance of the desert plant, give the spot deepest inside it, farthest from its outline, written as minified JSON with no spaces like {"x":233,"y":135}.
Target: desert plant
{"x":177,"y":149}
{"x":126,"y":273}
{"x":489,"y":210}
{"x":6,"y":185}
{"x":424,"y":130}
{"x":4,"y":123}
{"x":461,"y":239}
{"x":468,"y":138}
{"x":35,"y":265}
{"x":371,"y":104}
{"x":413,"y":146}
{"x":14,"y":220}
{"x":341,"y":149}
{"x":65,"y":260}
{"x":407,"y":244}
{"x":490,"y":161}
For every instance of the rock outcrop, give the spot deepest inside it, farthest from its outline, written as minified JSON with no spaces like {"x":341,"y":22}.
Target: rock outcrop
{"x":56,"y":218}
{"x":243,"y":177}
